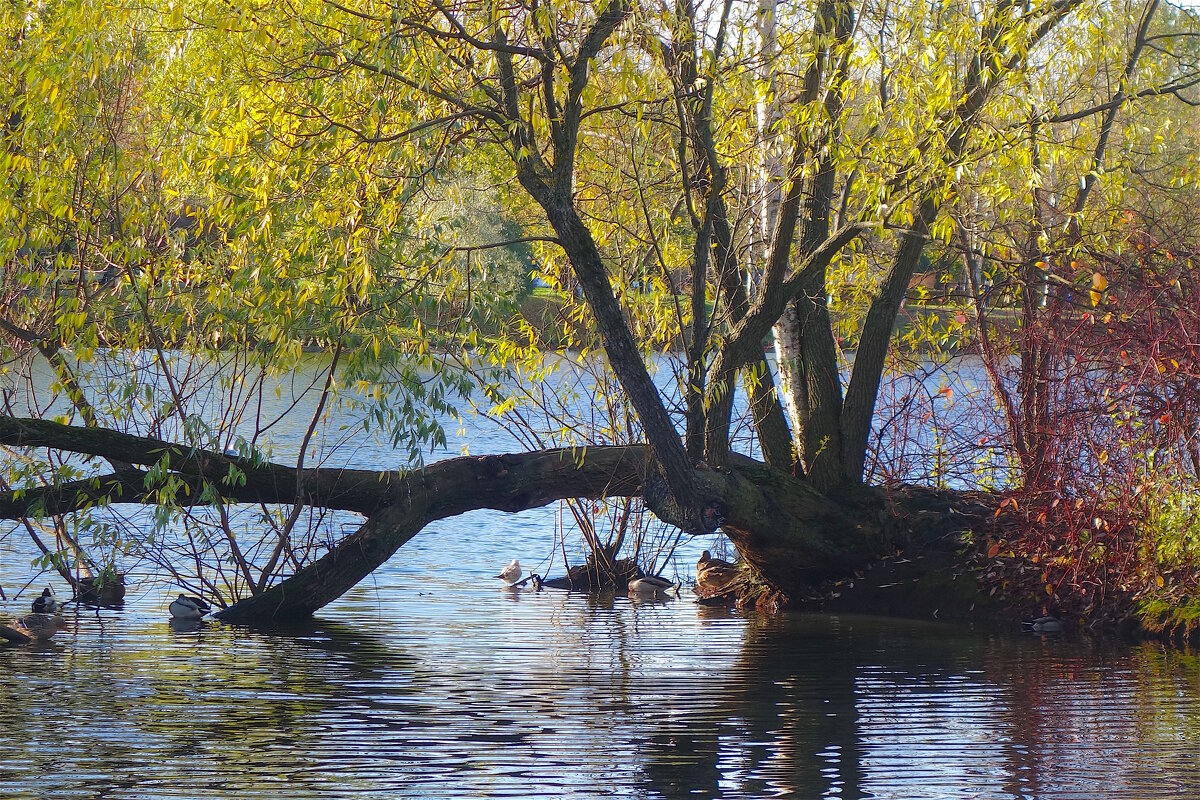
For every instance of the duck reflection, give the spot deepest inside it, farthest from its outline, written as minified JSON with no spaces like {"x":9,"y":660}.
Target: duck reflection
{"x":178,"y":625}
{"x":243,"y":703}
{"x":575,"y":695}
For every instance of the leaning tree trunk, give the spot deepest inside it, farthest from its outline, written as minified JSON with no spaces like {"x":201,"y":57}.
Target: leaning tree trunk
{"x":507,"y":483}
{"x":792,"y":534}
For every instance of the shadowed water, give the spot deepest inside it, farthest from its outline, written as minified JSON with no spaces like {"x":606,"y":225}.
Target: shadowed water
{"x":438,"y":682}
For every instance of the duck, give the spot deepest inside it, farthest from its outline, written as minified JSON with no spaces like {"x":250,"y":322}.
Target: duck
{"x":649,"y":586}
{"x":512,"y":573}
{"x":39,"y":627}
{"x":1046,"y":624}
{"x":47,"y":603}
{"x":188,"y":607}
{"x":714,"y":577}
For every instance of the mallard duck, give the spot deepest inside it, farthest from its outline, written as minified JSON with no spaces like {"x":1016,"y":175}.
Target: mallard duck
{"x":47,"y":603}
{"x":106,"y":591}
{"x":707,"y":561}
{"x":713,"y":576}
{"x":187,"y":607}
{"x":650,"y":585}
{"x":39,"y":627}
{"x":511,"y":573}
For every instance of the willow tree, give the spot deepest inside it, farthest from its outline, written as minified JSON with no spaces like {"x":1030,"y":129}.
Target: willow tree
{"x":551,"y":87}
{"x":692,"y":173}
{"x":173,"y":294}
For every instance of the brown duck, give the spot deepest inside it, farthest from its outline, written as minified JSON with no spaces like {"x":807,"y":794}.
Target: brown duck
{"x":33,"y":628}
{"x":714,"y":577}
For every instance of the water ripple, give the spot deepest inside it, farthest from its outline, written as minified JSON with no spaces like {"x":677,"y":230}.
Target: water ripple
{"x":434,"y":684}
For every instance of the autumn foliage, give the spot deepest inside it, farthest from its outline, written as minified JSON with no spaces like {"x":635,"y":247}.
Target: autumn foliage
{"x":1110,"y":429}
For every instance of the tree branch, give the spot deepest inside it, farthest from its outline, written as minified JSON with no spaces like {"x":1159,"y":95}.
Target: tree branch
{"x":358,"y":490}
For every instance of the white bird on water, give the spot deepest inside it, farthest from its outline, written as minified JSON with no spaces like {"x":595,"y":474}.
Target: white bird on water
{"x":511,"y":573}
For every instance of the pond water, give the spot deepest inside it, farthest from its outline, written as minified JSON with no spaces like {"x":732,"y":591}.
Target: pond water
{"x":435,"y":682}
{"x":432,"y":680}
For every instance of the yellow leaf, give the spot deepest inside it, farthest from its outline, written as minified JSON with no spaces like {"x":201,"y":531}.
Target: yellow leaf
{"x":1158,"y":579}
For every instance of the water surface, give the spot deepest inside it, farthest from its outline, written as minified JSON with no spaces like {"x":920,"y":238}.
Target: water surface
{"x":435,"y":681}
{"x":432,"y":680}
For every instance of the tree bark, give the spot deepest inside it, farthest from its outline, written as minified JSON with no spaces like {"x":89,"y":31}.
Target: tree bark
{"x":863,"y":388}
{"x":552,"y":187}
{"x":804,"y":346}
{"x":623,"y":354}
{"x":516,"y":479}
{"x":791,"y":533}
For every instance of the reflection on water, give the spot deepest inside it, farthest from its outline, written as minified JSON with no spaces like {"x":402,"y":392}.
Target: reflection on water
{"x":431,"y":680}
{"x":440,"y":683}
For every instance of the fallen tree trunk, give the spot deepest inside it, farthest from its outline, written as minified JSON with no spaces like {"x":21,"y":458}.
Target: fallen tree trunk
{"x":508,"y":483}
{"x":793,"y":535}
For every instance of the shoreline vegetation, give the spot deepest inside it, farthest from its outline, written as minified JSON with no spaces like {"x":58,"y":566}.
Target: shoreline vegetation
{"x":702,"y":184}
{"x":987,"y":574}
{"x":950,"y":555}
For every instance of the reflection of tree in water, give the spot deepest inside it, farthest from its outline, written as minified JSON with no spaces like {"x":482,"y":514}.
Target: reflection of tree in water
{"x":781,"y":720}
{"x":216,"y":712}
{"x":850,"y":707}
{"x":603,"y":699}
{"x":276,"y":701}
{"x":1082,"y":716}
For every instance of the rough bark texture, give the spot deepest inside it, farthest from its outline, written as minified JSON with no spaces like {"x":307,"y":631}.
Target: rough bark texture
{"x":790,"y":533}
{"x":863,"y":389}
{"x":552,"y":187}
{"x":622,"y":350}
{"x":362,"y":491}
{"x":804,"y":344}
{"x":774,"y":437}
